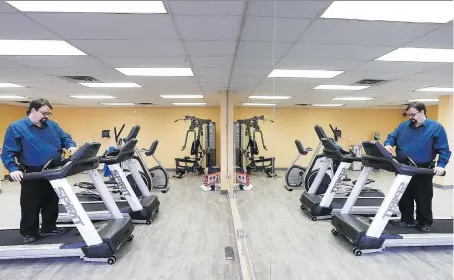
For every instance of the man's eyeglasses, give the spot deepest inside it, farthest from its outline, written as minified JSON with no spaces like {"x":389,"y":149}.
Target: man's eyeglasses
{"x":412,"y":115}
{"x":46,"y":114}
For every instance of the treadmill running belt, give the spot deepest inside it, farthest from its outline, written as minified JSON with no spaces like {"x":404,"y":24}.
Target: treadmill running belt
{"x":338,"y":202}
{"x":438,"y":226}
{"x":13,"y":237}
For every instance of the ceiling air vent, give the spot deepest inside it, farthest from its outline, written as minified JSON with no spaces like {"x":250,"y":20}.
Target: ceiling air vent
{"x":302,"y":104}
{"x":145,"y":103}
{"x":23,"y":102}
{"x":370,"y":82}
{"x":80,"y":79}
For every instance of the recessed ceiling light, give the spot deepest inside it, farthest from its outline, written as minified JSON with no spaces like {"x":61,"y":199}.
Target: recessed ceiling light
{"x":419,"y":55}
{"x":316,"y":74}
{"x":157,"y":72}
{"x":424,"y":100}
{"x":189,"y":104}
{"x":436,"y":89}
{"x":123,"y":7}
{"x":269,"y":97}
{"x":118,"y":104}
{"x":327,"y":105}
{"x":182,"y":96}
{"x":37,"y":47}
{"x":92,"y":96}
{"x":111,"y":85}
{"x":12,"y":97}
{"x":405,"y":11}
{"x":341,"y":87}
{"x":10,"y":85}
{"x":259,"y":104}
{"x":353,"y":98}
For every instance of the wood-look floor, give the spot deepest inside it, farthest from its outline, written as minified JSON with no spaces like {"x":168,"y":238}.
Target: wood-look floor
{"x":285,"y":244}
{"x":186,"y":241}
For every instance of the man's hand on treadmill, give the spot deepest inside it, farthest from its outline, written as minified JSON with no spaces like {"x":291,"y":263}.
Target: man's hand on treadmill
{"x":439,"y":170}
{"x":389,"y":149}
{"x":16,"y":176}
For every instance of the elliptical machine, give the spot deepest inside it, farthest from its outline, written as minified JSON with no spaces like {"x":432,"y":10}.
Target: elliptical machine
{"x":194,"y":163}
{"x":247,"y":157}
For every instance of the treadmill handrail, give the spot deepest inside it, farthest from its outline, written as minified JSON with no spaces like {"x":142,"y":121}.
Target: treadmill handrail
{"x":84,"y":159}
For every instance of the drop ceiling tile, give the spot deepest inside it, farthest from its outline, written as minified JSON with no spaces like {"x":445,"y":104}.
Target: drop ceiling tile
{"x":340,"y":52}
{"x":210,"y":48}
{"x":370,"y":33}
{"x":223,"y":28}
{"x":7,"y":8}
{"x":262,"y":49}
{"x":97,"y":26}
{"x":205,"y":8}
{"x":6,"y":63}
{"x":17,"y":26}
{"x":56,"y":61}
{"x":295,"y":9}
{"x":211,"y":62}
{"x":387,"y":66}
{"x":317,"y":64}
{"x":439,"y":38}
{"x":23,"y":75}
{"x":270,"y":29}
{"x":181,"y":61}
{"x":104,"y":74}
{"x":130,"y":48}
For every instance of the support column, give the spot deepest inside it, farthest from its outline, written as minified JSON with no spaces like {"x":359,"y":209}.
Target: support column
{"x":227,"y":144}
{"x":445,"y":117}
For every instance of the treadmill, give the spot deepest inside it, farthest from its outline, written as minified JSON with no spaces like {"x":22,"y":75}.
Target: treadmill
{"x":374,"y":235}
{"x":91,"y":242}
{"x":323,"y":207}
{"x":142,"y":209}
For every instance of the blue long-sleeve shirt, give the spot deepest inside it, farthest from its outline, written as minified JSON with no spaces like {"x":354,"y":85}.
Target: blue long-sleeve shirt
{"x":421,"y":144}
{"x":33,"y":145}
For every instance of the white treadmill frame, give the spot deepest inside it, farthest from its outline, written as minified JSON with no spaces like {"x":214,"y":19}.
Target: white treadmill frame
{"x":79,"y":218}
{"x":106,"y":195}
{"x":335,"y":184}
{"x":385,"y":212}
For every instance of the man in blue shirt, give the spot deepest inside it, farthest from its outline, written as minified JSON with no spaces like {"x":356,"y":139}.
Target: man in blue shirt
{"x":33,"y":141}
{"x":421,"y":140}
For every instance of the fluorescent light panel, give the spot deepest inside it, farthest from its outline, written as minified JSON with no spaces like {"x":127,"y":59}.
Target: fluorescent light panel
{"x":111,"y":85}
{"x":269,"y":97}
{"x":157,"y":72}
{"x":353,"y":98}
{"x":92,"y":96}
{"x":118,"y":104}
{"x":10,"y":85}
{"x":327,"y":105}
{"x":425,"y":100}
{"x":320,"y":74}
{"x":182,"y":96}
{"x":404,"y":11}
{"x":419,"y":55}
{"x":436,"y":89}
{"x":37,"y":47}
{"x":341,"y":87}
{"x":123,"y":7}
{"x":259,"y":104}
{"x":12,"y":97}
{"x":189,"y":104}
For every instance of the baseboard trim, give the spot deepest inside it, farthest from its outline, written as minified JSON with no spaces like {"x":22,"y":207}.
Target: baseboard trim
{"x":444,"y":187}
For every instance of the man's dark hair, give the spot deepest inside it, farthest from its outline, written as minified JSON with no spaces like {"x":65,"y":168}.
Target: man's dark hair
{"x":37,"y":104}
{"x":418,"y":106}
